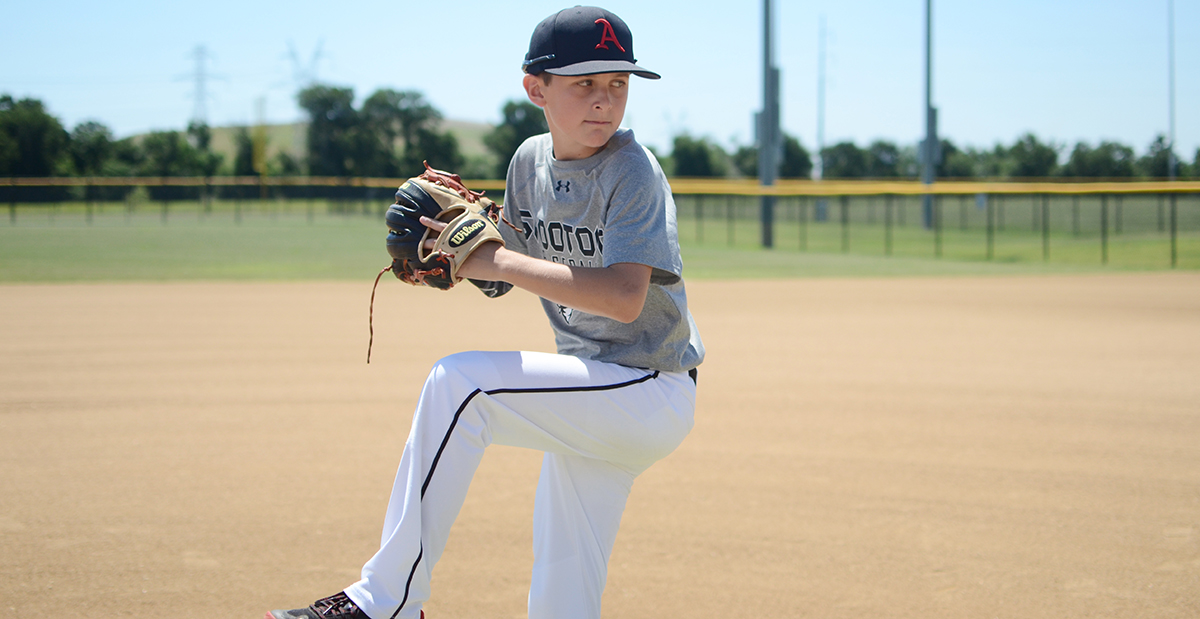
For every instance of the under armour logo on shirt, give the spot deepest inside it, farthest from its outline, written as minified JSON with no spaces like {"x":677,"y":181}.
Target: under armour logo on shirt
{"x":565,"y":312}
{"x":563,"y":186}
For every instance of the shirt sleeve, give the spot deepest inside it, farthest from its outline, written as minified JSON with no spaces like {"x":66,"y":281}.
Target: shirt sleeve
{"x":640,"y":219}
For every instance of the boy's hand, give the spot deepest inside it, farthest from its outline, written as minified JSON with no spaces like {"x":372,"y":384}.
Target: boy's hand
{"x":468,"y":222}
{"x":484,"y":253}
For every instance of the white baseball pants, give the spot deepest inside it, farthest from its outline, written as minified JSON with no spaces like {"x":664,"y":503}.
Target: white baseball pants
{"x":600,"y":425}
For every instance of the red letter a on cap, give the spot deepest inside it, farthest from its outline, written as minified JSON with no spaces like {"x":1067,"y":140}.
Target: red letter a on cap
{"x":608,"y":35}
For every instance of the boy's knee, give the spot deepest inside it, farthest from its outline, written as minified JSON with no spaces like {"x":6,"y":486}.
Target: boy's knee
{"x":476,"y":368}
{"x":458,"y":363}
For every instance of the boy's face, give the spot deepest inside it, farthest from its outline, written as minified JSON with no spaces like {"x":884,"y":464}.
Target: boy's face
{"x":583,"y":111}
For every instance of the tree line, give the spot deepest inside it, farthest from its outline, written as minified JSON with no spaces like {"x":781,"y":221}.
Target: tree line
{"x":1028,"y":157}
{"x":392,"y":132}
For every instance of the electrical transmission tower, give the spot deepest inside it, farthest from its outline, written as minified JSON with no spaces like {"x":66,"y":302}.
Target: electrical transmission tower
{"x":201,"y":76}
{"x":304,"y":76}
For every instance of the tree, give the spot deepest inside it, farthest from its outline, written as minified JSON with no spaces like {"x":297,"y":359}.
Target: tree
{"x":1108,"y":160}
{"x":745,"y":159}
{"x":843,"y":160}
{"x":127,"y":159}
{"x":32,"y":142}
{"x":343,"y":141}
{"x":201,"y":136}
{"x":91,"y":148}
{"x":954,"y":162}
{"x":796,"y":163}
{"x":390,"y":116}
{"x":1031,"y":158}
{"x":332,"y":119}
{"x":439,"y":149}
{"x":994,"y":163}
{"x":1154,"y":163}
{"x":284,"y":164}
{"x":883,"y":160}
{"x":243,"y":153}
{"x":522,"y":120}
{"x":698,"y":157}
{"x":168,"y":153}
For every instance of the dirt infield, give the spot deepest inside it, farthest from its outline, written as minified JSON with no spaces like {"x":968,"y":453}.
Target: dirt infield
{"x":942,"y":447}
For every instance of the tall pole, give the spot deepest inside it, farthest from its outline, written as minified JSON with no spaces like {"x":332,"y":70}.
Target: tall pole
{"x":1171,"y":164}
{"x":768,"y":130}
{"x":930,"y":146}
{"x":200,"y":106}
{"x":819,"y":169}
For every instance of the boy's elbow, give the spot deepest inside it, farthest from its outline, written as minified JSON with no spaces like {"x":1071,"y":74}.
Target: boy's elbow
{"x":628,"y":314}
{"x":629,"y":305}
{"x":628,"y":296}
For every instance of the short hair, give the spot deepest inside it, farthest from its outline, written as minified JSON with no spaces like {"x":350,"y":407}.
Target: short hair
{"x":546,"y":77}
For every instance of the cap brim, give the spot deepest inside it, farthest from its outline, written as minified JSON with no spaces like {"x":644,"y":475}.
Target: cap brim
{"x":592,"y":67}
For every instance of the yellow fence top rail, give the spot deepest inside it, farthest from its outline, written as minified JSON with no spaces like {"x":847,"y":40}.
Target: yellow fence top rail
{"x":694,"y":186}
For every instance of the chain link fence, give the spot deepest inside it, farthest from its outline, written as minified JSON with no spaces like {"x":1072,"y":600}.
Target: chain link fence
{"x":1134,"y":224}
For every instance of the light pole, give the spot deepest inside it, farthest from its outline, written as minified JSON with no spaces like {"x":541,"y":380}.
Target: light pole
{"x":929,"y":148}
{"x":768,"y":131}
{"x":1171,"y":163}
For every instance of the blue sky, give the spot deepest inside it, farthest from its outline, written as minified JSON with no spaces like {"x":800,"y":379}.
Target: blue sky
{"x":1067,"y":70}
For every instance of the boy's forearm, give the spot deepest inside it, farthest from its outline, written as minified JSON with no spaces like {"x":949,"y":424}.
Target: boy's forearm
{"x":617,"y":292}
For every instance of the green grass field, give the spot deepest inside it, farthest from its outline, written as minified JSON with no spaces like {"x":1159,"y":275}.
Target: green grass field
{"x":344,"y":241}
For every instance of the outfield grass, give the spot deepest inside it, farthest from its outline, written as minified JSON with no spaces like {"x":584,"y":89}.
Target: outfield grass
{"x":344,"y":241}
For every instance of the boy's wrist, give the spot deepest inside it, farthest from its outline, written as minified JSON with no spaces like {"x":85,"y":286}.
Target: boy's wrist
{"x":482,"y":264}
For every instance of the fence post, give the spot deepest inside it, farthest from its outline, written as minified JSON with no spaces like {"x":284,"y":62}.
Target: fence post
{"x":803,"y":223}
{"x":309,"y":203}
{"x":1119,"y":214}
{"x":729,"y":223}
{"x":937,"y":226}
{"x":962,"y":212}
{"x":844,"y":202}
{"x":1075,"y":215}
{"x":767,"y":217}
{"x":87,"y":194}
{"x":991,"y":228}
{"x":1104,"y":229}
{"x":1161,"y":225}
{"x":1033,"y":213}
{"x":164,"y":203}
{"x":1045,"y":227}
{"x":1174,"y":230}
{"x":699,"y":218}
{"x":887,"y":224}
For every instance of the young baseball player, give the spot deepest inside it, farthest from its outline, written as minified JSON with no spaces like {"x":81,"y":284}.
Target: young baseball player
{"x":598,"y":245}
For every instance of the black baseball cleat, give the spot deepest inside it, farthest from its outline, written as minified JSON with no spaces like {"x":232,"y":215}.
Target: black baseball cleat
{"x":333,"y":607}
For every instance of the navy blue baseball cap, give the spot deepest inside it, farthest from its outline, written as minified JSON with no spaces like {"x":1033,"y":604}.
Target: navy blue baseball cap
{"x":581,"y":41}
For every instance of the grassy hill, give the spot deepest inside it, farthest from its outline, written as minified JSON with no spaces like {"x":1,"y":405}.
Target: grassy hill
{"x":290,"y":138}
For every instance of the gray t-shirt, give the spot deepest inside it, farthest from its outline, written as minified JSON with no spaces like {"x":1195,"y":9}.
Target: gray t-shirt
{"x":612,"y":207}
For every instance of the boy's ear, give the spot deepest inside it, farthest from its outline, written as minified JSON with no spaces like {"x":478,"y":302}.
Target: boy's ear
{"x":533,"y":89}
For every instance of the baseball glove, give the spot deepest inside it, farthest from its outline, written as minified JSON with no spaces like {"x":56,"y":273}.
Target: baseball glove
{"x":470,"y":219}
